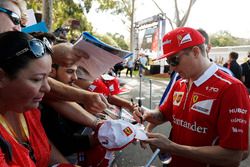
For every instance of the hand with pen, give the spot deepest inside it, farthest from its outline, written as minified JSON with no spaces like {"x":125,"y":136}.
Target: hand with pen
{"x":140,"y":114}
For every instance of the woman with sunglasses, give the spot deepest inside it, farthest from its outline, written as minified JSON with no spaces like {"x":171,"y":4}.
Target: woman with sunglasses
{"x":25,"y":64}
{"x":12,"y":15}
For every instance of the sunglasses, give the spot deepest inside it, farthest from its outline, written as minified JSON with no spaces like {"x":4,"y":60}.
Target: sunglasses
{"x":13,"y":16}
{"x":36,"y":48}
{"x":175,"y":60}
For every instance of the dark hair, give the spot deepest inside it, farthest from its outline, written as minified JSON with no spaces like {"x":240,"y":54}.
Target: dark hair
{"x":40,"y":35}
{"x":234,"y":55}
{"x":11,"y":43}
{"x":204,"y":34}
{"x":55,"y":66}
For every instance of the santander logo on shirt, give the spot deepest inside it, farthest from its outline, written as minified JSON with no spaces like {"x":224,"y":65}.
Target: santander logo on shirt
{"x":190,"y":125}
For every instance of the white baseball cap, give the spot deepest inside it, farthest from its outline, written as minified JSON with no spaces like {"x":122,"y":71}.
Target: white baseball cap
{"x":117,"y":134}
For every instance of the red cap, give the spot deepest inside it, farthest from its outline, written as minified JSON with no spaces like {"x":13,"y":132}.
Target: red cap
{"x":98,"y":86}
{"x":179,"y":39}
{"x":113,"y":86}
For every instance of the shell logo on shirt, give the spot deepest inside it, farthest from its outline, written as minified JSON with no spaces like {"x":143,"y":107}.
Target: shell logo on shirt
{"x":203,"y":106}
{"x":177,"y":97}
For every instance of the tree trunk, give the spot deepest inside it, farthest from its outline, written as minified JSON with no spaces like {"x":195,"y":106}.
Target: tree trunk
{"x":47,"y":13}
{"x":132,"y":27}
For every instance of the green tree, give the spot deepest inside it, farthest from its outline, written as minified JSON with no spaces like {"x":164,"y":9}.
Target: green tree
{"x":224,"y":38}
{"x":119,"y":39}
{"x":64,"y":12}
{"x":121,"y":7}
{"x":107,"y":39}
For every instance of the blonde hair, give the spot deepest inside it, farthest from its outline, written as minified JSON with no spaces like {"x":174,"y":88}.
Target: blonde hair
{"x":21,"y":4}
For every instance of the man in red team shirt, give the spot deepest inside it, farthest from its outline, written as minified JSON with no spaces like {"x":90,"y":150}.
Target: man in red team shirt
{"x":207,"y":108}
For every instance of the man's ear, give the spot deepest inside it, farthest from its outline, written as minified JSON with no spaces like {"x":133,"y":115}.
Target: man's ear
{"x":53,"y":73}
{"x":196,"y":51}
{"x":3,"y":78}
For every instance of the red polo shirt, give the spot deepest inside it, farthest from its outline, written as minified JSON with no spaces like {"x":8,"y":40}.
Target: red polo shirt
{"x":214,"y":111}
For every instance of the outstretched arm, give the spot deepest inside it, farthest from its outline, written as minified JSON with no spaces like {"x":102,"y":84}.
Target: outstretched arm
{"x":215,"y":155}
{"x":91,"y":101}
{"x":74,"y":112}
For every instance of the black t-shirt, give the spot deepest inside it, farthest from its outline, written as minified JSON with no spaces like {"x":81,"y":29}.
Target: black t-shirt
{"x":63,"y":133}
{"x":246,"y":72}
{"x":235,"y":68}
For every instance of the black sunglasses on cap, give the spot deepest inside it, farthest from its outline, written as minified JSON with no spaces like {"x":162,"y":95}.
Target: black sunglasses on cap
{"x":13,"y":16}
{"x":36,"y":47}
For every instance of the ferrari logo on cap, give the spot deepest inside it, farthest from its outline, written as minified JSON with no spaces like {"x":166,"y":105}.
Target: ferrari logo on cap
{"x":127,"y":131}
{"x":179,"y":37}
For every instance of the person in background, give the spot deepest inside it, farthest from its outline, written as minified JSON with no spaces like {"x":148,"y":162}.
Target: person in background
{"x":246,"y":72}
{"x":142,"y":63}
{"x":25,"y":60}
{"x":233,"y":65}
{"x":130,"y":66}
{"x":199,"y":107}
{"x":109,"y":89}
{"x":65,"y":134}
{"x":118,"y":68}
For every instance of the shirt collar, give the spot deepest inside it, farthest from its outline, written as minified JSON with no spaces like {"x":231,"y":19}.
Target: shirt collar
{"x":206,"y":75}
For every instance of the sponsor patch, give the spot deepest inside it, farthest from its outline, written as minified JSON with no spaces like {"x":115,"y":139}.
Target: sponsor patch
{"x":111,"y":88}
{"x":193,"y":126}
{"x":177,"y":98}
{"x":127,"y":131}
{"x":237,"y":111}
{"x":92,"y":87}
{"x":185,"y":39}
{"x":237,"y":130}
{"x":212,"y":89}
{"x":203,"y":106}
{"x":166,"y":42}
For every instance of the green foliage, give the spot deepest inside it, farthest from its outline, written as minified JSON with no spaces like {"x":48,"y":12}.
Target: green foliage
{"x":224,"y":38}
{"x":36,"y":5}
{"x":107,"y":39}
{"x":119,"y":39}
{"x":123,"y":7}
{"x":115,"y":40}
{"x":64,"y":12}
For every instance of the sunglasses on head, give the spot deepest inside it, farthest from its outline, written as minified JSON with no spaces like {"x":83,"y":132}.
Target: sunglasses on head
{"x":36,"y":47}
{"x":12,"y":15}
